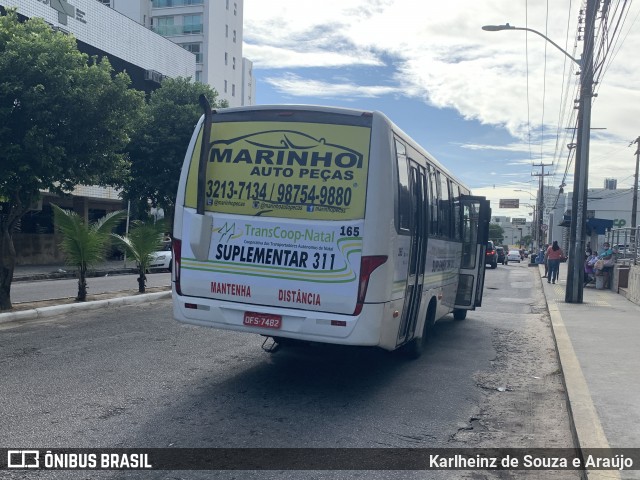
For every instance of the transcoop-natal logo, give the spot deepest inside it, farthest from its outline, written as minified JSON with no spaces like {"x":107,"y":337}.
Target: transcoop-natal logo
{"x":229,"y":232}
{"x":65,"y":10}
{"x":284,"y":148}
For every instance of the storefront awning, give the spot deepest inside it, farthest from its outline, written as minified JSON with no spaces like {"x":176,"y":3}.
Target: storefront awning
{"x":594,"y":225}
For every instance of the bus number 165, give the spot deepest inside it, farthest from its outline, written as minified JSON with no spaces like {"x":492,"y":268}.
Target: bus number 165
{"x":349,"y":231}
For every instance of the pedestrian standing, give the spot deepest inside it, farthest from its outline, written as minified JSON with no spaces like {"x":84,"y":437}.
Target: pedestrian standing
{"x":545,"y":260}
{"x":554,"y":256}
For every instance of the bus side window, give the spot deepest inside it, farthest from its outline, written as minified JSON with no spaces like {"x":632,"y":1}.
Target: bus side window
{"x":433,"y":201}
{"x":444,"y":208}
{"x":469,"y":236}
{"x":457,"y":220}
{"x":404,"y":217}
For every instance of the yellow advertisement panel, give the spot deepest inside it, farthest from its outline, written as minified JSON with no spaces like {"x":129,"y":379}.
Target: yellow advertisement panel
{"x":284,"y":169}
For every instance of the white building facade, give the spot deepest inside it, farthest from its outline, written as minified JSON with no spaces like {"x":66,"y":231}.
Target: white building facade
{"x":513,"y":229}
{"x":212,"y":30}
{"x":137,"y":10}
{"x":609,"y":204}
{"x":105,"y":31}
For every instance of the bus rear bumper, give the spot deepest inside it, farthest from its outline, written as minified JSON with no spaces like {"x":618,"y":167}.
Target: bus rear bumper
{"x":362,"y":330}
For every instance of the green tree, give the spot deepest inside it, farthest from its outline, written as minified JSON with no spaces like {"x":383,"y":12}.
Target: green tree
{"x":157,"y":149}
{"x":65,"y":120}
{"x":496,"y":233}
{"x":143,"y":240}
{"x":84,"y":245}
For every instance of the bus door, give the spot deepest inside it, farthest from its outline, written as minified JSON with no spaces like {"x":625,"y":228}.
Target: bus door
{"x":475,"y":214}
{"x":417,"y":253}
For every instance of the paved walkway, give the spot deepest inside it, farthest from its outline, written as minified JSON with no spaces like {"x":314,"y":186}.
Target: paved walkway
{"x":38,"y":272}
{"x":598,"y":345}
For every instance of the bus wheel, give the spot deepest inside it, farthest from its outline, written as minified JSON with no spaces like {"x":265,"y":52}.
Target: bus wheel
{"x":459,"y":314}
{"x":414,"y":348}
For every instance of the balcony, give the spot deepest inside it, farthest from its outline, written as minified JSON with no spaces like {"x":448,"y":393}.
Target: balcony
{"x":175,"y":3}
{"x":175,"y":30}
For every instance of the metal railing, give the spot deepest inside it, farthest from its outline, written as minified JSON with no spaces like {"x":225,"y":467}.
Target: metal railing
{"x":627,"y":241}
{"x":175,"y":3}
{"x":175,"y":30}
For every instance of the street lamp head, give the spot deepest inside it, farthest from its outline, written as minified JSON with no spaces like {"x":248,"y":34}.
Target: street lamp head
{"x":506,"y":26}
{"x":497,"y":28}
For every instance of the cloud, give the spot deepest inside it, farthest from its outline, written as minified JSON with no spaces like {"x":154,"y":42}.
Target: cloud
{"x":291,"y":84}
{"x":278,"y":57}
{"x":437,"y":53}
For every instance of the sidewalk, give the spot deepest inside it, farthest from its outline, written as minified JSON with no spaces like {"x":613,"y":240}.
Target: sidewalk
{"x":43,"y":272}
{"x":597,"y":344}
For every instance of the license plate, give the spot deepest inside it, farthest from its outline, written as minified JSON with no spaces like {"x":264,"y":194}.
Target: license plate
{"x":262,"y":320}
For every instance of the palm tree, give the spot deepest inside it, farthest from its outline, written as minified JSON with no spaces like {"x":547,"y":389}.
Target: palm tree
{"x":84,"y":245}
{"x":143,"y":240}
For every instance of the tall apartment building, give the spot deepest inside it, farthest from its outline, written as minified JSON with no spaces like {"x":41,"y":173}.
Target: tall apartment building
{"x":144,"y":55}
{"x":211,"y":30}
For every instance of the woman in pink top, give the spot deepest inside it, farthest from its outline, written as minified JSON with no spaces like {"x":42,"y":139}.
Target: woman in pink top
{"x":554,"y":255}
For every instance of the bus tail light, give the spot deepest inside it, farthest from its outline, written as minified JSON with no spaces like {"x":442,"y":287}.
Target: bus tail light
{"x":367,"y":266}
{"x":176,"y":247}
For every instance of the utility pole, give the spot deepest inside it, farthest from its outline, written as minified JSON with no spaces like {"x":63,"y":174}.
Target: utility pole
{"x":541,"y":208}
{"x":577,"y":230}
{"x":634,"y":205}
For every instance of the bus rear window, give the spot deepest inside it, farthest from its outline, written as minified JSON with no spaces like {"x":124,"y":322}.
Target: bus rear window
{"x":285,"y":169}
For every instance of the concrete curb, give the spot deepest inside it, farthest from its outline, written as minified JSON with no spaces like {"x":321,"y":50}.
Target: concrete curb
{"x":45,"y":312}
{"x":585,"y":422}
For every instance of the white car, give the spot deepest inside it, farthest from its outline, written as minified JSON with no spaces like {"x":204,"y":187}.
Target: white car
{"x":161,"y":260}
{"x":513,"y":256}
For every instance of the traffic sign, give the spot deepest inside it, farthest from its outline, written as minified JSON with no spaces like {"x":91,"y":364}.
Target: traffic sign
{"x":509,"y":203}
{"x":544,"y":227}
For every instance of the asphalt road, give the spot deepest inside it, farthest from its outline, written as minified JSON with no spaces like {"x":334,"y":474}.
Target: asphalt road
{"x":132,"y":377}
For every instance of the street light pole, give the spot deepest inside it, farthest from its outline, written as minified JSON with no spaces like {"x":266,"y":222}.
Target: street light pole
{"x":506,"y":26}
{"x":634,"y":202}
{"x":575,"y":276}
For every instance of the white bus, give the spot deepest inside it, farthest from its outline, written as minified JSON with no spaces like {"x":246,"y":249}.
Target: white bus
{"x":322,"y":225}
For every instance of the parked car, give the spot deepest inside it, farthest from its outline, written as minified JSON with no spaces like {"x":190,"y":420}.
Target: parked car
{"x":502,"y":255}
{"x":161,"y":260}
{"x":622,"y":249}
{"x":491,"y":257}
{"x":514,"y":256}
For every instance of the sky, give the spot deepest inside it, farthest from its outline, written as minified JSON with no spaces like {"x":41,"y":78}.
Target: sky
{"x":491,"y":106}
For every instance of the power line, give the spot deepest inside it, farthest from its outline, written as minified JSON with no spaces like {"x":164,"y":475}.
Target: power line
{"x":544,"y":83}
{"x":526,"y":51}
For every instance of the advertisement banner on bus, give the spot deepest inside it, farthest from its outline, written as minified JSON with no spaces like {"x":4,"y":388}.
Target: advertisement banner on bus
{"x":270,"y":262}
{"x":279,"y":169}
